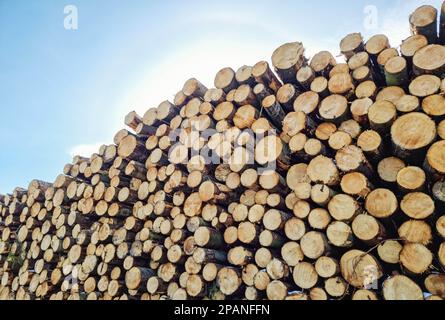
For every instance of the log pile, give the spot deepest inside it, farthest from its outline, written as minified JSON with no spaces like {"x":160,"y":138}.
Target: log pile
{"x":321,"y":180}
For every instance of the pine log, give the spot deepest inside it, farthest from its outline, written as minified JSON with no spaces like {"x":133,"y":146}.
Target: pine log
{"x":287,"y":60}
{"x":401,"y":288}
{"x":423,"y":21}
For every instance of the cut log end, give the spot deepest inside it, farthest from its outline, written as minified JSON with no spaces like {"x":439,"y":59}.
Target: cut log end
{"x":381,"y":203}
{"x":401,"y":288}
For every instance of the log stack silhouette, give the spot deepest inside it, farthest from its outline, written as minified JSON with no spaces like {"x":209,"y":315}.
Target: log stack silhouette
{"x":306,"y":179}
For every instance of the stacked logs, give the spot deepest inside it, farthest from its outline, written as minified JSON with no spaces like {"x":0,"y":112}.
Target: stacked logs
{"x":325,"y":181}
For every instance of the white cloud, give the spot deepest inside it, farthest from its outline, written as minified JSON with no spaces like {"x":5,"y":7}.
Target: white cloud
{"x":204,"y":56}
{"x":84,"y":150}
{"x":394,"y":20}
{"x":200,"y":60}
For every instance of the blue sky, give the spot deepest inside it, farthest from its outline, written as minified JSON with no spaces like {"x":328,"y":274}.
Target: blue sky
{"x":67,"y":91}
